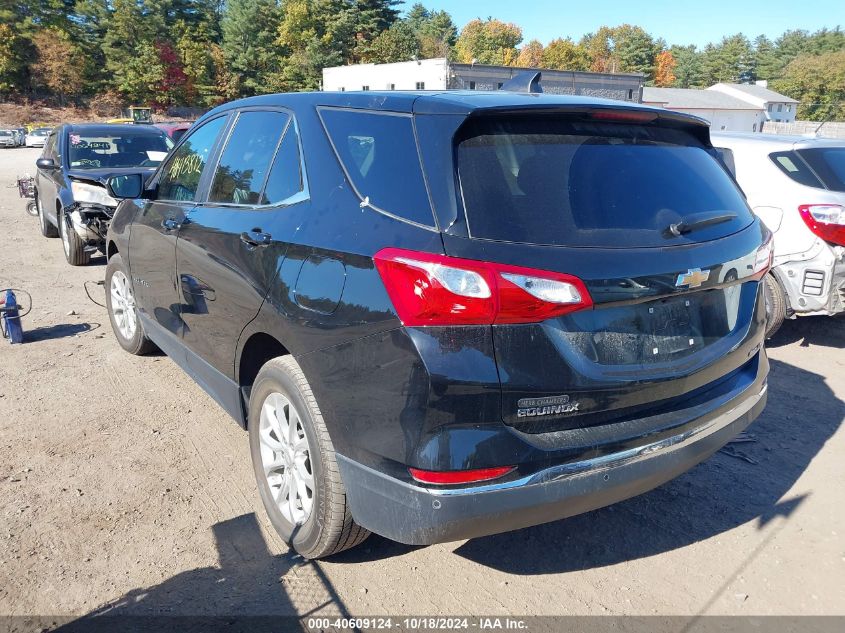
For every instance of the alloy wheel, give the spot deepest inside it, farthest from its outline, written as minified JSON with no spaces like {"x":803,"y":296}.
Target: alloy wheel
{"x":286,"y":458}
{"x":123,"y":305}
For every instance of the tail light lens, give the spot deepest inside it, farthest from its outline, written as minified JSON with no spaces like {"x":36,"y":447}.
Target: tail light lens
{"x":431,"y":289}
{"x":825,"y":220}
{"x":447,"y":477}
{"x":765,"y":254}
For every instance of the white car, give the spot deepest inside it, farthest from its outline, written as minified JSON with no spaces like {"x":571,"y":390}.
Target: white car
{"x":38,"y":137}
{"x":796,"y":185}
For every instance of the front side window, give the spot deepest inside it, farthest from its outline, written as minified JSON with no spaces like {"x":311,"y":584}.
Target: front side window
{"x":561,"y":182}
{"x":243,"y":166}
{"x":378,"y":152}
{"x":129,"y":148}
{"x":181,"y":175}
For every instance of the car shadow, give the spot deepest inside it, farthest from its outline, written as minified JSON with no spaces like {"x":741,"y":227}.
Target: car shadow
{"x":820,"y":331}
{"x":249,"y":590}
{"x":718,"y":495}
{"x":60,"y":330}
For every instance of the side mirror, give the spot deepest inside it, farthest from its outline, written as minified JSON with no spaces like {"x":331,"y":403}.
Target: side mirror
{"x":126,"y":186}
{"x":47,"y":164}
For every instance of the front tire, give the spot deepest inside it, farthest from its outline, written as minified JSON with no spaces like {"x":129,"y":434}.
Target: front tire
{"x":294,"y":462}
{"x":120,"y":303}
{"x":775,"y":305}
{"x":47,"y":229}
{"x":73,"y":247}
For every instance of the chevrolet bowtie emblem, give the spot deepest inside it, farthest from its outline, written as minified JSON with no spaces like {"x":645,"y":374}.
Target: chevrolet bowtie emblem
{"x":693,"y":278}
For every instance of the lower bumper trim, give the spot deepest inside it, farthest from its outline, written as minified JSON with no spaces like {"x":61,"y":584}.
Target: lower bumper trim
{"x":419,"y":516}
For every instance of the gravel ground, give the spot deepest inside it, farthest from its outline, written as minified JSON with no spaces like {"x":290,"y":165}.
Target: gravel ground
{"x":124,"y":488}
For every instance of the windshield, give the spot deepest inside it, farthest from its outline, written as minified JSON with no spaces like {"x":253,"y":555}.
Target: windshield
{"x":5,"y":133}
{"x":572,"y":183}
{"x":829,"y":165}
{"x":126,"y":149}
{"x":44,"y":131}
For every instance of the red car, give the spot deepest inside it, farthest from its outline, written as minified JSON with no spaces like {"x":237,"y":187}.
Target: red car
{"x":174,"y":130}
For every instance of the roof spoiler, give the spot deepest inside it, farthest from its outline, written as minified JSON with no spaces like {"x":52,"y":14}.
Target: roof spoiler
{"x":528,"y":81}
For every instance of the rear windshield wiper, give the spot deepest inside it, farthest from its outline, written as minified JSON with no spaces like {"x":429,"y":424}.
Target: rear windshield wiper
{"x":695,"y":222}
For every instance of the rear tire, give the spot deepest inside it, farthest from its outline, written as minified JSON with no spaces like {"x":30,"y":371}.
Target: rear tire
{"x":318,"y":525}
{"x":73,"y":247}
{"x":123,"y":315}
{"x":775,"y":305}
{"x":47,"y":229}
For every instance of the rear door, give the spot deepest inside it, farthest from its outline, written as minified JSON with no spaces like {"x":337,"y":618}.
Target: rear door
{"x":232,"y":243}
{"x":662,"y":238}
{"x":152,"y":247}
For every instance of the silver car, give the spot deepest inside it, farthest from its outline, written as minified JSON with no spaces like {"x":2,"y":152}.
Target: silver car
{"x":796,"y":185}
{"x":7,"y":139}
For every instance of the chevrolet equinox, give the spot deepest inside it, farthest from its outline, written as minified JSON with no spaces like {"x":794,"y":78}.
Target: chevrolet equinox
{"x":446,"y":315}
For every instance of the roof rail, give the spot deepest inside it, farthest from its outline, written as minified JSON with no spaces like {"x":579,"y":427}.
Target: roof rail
{"x":528,"y":81}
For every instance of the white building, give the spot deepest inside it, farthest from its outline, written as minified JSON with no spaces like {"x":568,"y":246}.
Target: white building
{"x":777,"y":107}
{"x":723,"y":111}
{"x":425,"y":74}
{"x":440,"y":74}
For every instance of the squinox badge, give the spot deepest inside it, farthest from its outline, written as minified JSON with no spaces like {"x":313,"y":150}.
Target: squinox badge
{"x":553,"y":405}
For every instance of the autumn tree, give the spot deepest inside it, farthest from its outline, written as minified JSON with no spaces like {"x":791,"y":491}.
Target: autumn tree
{"x":58,"y":66}
{"x":531,"y":55}
{"x":624,"y":48}
{"x":664,"y":67}
{"x":488,"y":42}
{"x":564,"y":54}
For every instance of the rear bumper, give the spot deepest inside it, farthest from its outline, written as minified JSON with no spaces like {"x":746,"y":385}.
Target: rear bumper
{"x":419,"y":516}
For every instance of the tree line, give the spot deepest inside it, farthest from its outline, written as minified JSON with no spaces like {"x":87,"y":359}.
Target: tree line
{"x":203,"y":52}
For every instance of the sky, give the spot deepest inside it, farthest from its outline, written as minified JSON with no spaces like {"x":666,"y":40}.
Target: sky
{"x":678,"y":22}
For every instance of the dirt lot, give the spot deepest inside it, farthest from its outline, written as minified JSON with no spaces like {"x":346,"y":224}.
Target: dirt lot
{"x":123,"y":487}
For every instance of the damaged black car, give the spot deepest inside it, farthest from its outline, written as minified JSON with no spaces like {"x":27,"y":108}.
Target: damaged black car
{"x":70,"y":191}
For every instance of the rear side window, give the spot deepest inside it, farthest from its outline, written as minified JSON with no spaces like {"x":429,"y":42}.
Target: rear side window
{"x":379,"y":155}
{"x":790,"y":163}
{"x":243,"y":166}
{"x":180,"y":177}
{"x":829,"y":165}
{"x":570,"y":183}
{"x":285,"y":179}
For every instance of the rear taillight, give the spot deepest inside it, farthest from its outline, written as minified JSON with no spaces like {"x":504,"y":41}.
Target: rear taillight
{"x":764,"y":256}
{"x":431,"y":289}
{"x":825,"y":220}
{"x":448,"y":477}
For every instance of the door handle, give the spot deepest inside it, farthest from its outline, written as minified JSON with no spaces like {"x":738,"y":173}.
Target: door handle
{"x":256,"y":237}
{"x":170,"y":224}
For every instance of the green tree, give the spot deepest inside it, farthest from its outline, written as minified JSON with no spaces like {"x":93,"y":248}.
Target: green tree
{"x":399,"y":43}
{"x":564,"y":54}
{"x":688,"y":62}
{"x":250,"y":31}
{"x":488,"y":42}
{"x":818,"y":82}
{"x":371,"y":18}
{"x":624,"y":48}
{"x":435,"y":30}
{"x":729,"y":61}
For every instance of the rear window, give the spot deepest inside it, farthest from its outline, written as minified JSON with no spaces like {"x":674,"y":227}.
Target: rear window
{"x":378,"y":152}
{"x":791,"y":164}
{"x":570,"y":183}
{"x":829,"y":165}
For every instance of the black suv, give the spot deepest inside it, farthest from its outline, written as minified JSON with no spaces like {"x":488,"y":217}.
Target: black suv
{"x":70,"y":190}
{"x":445,"y":315}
